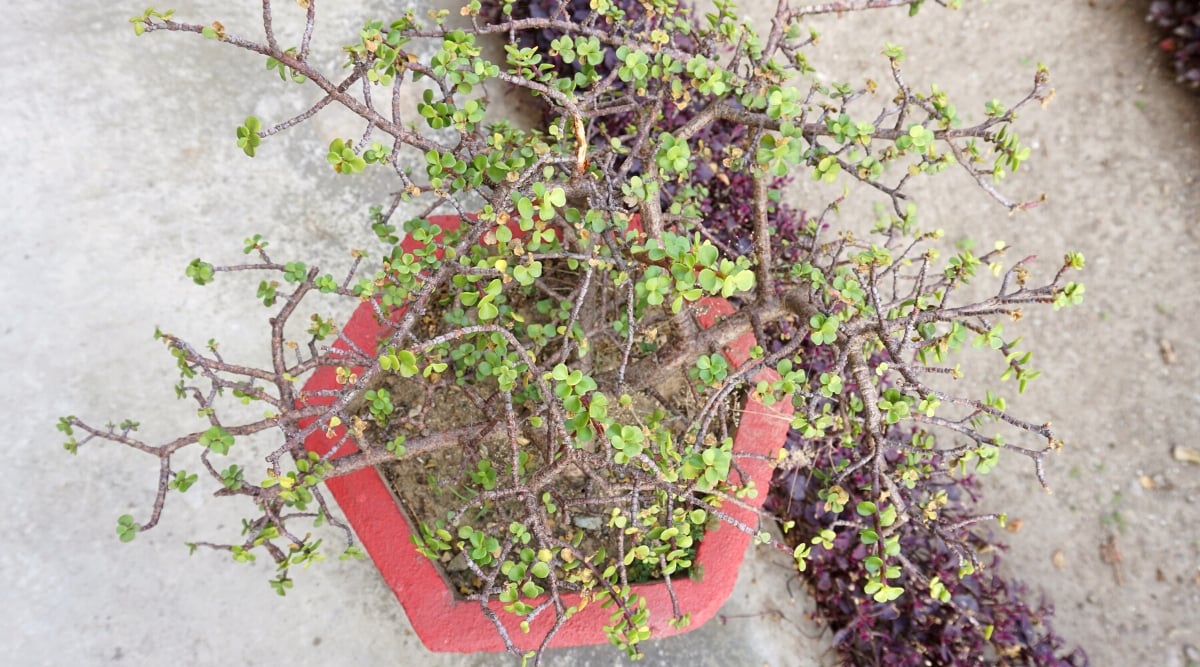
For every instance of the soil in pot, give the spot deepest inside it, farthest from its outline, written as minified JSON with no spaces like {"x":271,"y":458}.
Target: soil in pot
{"x":475,"y":477}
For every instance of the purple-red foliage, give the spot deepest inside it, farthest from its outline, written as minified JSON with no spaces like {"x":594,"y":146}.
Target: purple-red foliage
{"x":916,"y":630}
{"x":573,"y":10}
{"x":1180,"y":19}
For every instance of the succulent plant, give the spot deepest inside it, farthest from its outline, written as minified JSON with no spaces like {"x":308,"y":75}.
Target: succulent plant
{"x":690,"y":128}
{"x":966,"y":616}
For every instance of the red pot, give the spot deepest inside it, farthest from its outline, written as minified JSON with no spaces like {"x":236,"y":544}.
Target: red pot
{"x":446,"y":623}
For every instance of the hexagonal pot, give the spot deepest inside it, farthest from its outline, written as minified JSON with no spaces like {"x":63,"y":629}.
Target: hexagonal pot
{"x":446,"y":623}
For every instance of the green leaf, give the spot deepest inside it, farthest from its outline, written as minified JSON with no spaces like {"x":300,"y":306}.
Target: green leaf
{"x":326,"y":284}
{"x":529,"y":590}
{"x":200,"y":272}
{"x":893,"y":52}
{"x":266,"y":292}
{"x":127,"y":528}
{"x":216,"y":440}
{"x":825,"y":328}
{"x":294,"y":272}
{"x":232,"y":477}
{"x":408,"y":363}
{"x":183,"y":481}
{"x":1071,"y":295}
{"x":744,"y":281}
{"x":343,"y":159}
{"x":525,"y":208}
{"x":248,"y":137}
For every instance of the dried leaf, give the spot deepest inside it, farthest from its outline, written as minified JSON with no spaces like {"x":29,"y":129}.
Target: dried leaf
{"x":1167,"y":351}
{"x":1111,"y":554}
{"x":1186,"y":454}
{"x":1014,"y":525}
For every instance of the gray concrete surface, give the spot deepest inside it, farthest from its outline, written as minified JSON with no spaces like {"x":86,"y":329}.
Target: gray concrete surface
{"x":121,"y":167}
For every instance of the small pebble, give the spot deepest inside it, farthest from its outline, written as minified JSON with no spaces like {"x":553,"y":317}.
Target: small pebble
{"x":458,"y":563}
{"x":587,"y":522}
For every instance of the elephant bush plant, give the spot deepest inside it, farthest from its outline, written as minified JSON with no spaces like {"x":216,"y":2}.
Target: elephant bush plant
{"x":567,"y":300}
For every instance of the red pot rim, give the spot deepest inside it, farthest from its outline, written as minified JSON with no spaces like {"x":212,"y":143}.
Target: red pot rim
{"x":446,"y":623}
